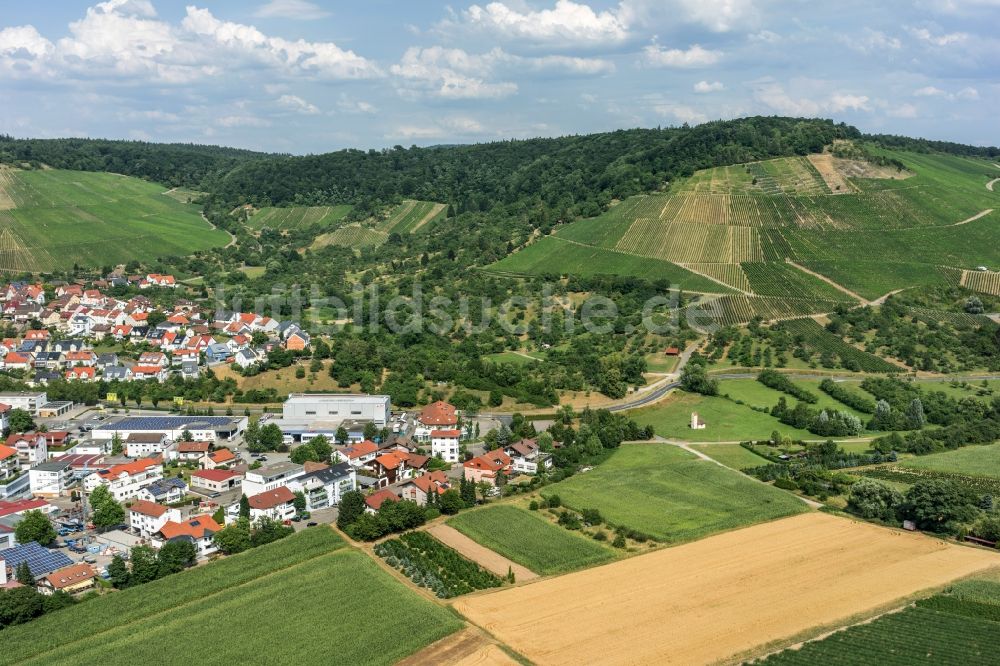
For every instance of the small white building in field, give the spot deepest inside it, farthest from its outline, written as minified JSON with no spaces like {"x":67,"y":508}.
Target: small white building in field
{"x":696,"y":422}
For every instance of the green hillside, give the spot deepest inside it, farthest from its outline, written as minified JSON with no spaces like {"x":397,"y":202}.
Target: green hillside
{"x":53,"y":219}
{"x":410,"y":216}
{"x":895,"y":220}
{"x":297,"y":216}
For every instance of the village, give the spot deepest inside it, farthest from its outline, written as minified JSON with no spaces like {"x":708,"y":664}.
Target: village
{"x":183,"y":478}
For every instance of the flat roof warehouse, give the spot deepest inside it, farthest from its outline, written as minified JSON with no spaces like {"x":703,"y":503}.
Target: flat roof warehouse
{"x":223,"y":427}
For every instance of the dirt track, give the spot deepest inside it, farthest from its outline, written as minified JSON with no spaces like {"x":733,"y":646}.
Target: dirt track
{"x":486,"y":558}
{"x":722,"y":596}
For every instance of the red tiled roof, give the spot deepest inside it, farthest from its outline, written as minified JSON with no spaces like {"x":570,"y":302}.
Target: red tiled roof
{"x":7,"y":451}
{"x":357,"y":450}
{"x":215,"y":474}
{"x":17,"y":506}
{"x":148,"y":508}
{"x":438,"y":413}
{"x":446,"y":433}
{"x":222,"y":456}
{"x":193,"y":447}
{"x":376,"y":500}
{"x":437,"y":480}
{"x":271,"y":498}
{"x":392,"y":459}
{"x":71,"y":575}
{"x":130,"y":468}
{"x":492,"y":460}
{"x":196,"y":527}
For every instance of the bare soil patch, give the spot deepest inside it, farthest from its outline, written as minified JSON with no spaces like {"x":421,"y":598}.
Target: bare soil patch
{"x":486,"y":558}
{"x":469,"y":647}
{"x":832,"y":176}
{"x":722,"y":596}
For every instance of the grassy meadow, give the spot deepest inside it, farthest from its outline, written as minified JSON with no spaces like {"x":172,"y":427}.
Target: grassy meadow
{"x":530,"y":540}
{"x":981,"y":460}
{"x":672,"y":495}
{"x":61,"y":218}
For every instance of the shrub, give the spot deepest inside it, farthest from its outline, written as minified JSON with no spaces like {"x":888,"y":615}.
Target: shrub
{"x":533,"y":506}
{"x":786,"y":484}
{"x":619,"y":541}
{"x":600,"y":535}
{"x":592,"y":516}
{"x":554,"y":501}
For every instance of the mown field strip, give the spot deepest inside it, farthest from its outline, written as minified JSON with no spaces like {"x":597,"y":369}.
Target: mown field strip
{"x":721,"y":596}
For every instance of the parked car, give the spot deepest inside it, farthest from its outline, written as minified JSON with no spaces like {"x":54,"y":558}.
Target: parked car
{"x":312,"y":524}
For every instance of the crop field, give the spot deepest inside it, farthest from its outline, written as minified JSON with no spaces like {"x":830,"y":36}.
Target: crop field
{"x":722,"y":596}
{"x":960,"y":626}
{"x":60,"y":218}
{"x":970,"y":460}
{"x":554,"y":256}
{"x":671,"y":495}
{"x":530,"y":540}
{"x":298,"y":216}
{"x":818,"y":340}
{"x":253,"y":589}
{"x":726,"y":421}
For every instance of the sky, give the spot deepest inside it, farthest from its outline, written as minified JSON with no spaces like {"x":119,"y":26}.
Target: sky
{"x":310,"y":76}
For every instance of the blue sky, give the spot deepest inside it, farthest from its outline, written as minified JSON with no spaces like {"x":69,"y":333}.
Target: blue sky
{"x":306,"y":76}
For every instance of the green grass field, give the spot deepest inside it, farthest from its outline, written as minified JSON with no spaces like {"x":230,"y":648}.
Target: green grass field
{"x":726,"y":421}
{"x":756,"y":394}
{"x":530,"y":540}
{"x":224,"y":600}
{"x":739,"y":223}
{"x":731,"y":455}
{"x":672,"y":495}
{"x":972,"y":460}
{"x":554,"y":256}
{"x":63,"y":218}
{"x":298,"y":216}
{"x":411,"y":216}
{"x":512,"y":358}
{"x":408,"y":217}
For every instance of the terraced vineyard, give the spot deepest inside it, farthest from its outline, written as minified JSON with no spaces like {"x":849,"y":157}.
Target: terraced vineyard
{"x":408,"y":217}
{"x":352,"y":235}
{"x":52,"y":219}
{"x":985,"y":282}
{"x":738,"y":309}
{"x":298,"y":216}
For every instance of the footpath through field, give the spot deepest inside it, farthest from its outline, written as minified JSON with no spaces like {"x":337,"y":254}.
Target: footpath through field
{"x":857,"y":297}
{"x":723,"y":596}
{"x":481,"y":555}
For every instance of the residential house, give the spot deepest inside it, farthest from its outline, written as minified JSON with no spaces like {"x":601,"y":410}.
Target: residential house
{"x":245,"y":358}
{"x":164,"y":491}
{"x":215,"y":480}
{"x":85,"y":358}
{"x":218,"y":353}
{"x":51,"y":478}
{"x":444,"y":444}
{"x":142,"y":444}
{"x":198,"y":530}
{"x":32,"y":448}
{"x":190,"y":370}
{"x":17,"y":361}
{"x":374,"y":501}
{"x":153,"y":358}
{"x":50,"y":360}
{"x":126,"y":480}
{"x":271,"y":476}
{"x":117,"y":373}
{"x":147,"y":518}
{"x":190,"y":451}
{"x":219,"y":458}
{"x":488,"y":466}
{"x":73,"y":579}
{"x":277,"y":504}
{"x":394,"y":466}
{"x":357,"y":455}
{"x":149,"y":372}
{"x":81,"y":374}
{"x":419,"y":488}
{"x":325,"y":487}
{"x":297,"y":340}
{"x":438,"y":415}
{"x":186,"y":355}
{"x":9,"y":464}
{"x":527,"y":457}
{"x":107,"y":360}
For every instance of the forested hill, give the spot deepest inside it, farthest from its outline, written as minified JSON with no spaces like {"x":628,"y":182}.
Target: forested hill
{"x":570,"y":176}
{"x":174,"y":164}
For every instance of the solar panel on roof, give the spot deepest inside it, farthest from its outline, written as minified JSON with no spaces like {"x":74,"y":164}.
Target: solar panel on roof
{"x":166,"y":422}
{"x":40,"y":560}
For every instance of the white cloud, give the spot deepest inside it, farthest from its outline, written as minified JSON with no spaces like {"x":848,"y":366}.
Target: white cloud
{"x":679,"y":112}
{"x":242,"y":120}
{"x":716,"y":15}
{"x":719,"y":15}
{"x":968,"y":93}
{"x":703,"y":87}
{"x":125,"y":40}
{"x":297,"y":104}
{"x":567,"y":23}
{"x":299,"y":10}
{"x":905,"y":110}
{"x":441,"y":128}
{"x":765,"y":37}
{"x":655,"y":55}
{"x":773,"y":95}
{"x":456,"y":74}
{"x":348,"y":105}
{"x":946,"y":39}
{"x":872,"y":41}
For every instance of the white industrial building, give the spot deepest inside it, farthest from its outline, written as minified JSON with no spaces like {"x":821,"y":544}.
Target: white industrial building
{"x":26,"y":400}
{"x":202,"y":428}
{"x":337,"y":407}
